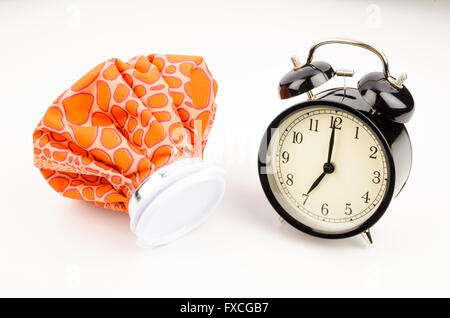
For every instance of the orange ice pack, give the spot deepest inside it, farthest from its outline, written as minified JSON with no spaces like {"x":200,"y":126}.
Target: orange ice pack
{"x":129,"y":136}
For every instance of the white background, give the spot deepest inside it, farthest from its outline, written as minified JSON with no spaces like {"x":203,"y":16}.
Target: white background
{"x":54,"y":246}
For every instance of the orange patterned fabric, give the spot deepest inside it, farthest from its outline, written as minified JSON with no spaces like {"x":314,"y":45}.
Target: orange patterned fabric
{"x":120,"y":122}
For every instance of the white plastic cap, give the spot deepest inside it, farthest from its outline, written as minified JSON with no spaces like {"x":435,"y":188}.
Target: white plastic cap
{"x":175,"y":200}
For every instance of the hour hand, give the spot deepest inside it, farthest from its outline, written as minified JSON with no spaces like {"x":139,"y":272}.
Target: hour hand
{"x":327,"y":168}
{"x":316,"y":183}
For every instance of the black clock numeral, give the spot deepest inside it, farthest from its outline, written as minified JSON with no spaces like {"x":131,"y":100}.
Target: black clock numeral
{"x":324,"y":209}
{"x":356,"y":132}
{"x":285,"y":156}
{"x":348,"y":209}
{"x":313,"y":124}
{"x":376,"y":177}
{"x":366,"y":197}
{"x":374,"y":150}
{"x":336,"y":122}
{"x":297,"y":137}
{"x":290,"y":179}
{"x":306,"y":196}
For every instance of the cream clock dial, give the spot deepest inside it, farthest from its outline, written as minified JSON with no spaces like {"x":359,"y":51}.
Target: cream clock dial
{"x":328,"y":169}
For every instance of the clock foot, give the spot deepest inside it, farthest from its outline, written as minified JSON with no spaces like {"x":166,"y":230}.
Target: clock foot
{"x":367,"y":236}
{"x":281,"y":220}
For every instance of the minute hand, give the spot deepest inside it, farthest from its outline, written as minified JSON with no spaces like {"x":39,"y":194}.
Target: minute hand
{"x":331,"y":145}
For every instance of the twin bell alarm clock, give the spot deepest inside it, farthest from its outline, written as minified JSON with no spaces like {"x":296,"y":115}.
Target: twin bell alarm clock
{"x":331,"y":165}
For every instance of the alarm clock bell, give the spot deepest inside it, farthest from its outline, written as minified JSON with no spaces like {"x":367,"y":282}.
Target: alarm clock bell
{"x":386,"y":95}
{"x":390,"y":99}
{"x":303,"y":78}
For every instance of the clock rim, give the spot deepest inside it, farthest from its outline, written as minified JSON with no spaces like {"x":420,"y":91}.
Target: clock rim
{"x":263,"y":177}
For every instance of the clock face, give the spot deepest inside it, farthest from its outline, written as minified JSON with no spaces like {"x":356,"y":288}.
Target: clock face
{"x":327,"y":169}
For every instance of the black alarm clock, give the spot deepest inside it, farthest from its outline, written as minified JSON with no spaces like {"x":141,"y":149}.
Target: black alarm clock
{"x":331,"y":165}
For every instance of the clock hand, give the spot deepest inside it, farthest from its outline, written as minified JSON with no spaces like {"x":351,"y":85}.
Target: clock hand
{"x":327,"y":168}
{"x":331,"y":145}
{"x":316,"y":183}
